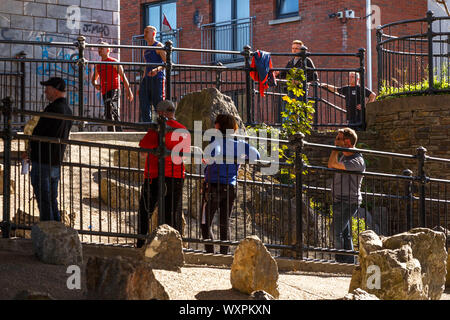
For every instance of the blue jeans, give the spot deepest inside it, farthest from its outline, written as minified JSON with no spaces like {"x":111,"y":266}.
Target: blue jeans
{"x":44,"y":179}
{"x":342,"y":228}
{"x":151,"y":92}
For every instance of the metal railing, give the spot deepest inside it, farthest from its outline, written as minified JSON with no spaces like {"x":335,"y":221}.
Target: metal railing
{"x":230,"y":35}
{"x":413,"y":56}
{"x":99,"y":193}
{"x":180,"y":80}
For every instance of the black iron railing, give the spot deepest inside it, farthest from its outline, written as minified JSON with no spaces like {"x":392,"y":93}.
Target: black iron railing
{"x":413,"y":56}
{"x":100,"y":186}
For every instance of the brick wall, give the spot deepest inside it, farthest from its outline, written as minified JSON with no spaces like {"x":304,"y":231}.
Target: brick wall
{"x":319,"y":32}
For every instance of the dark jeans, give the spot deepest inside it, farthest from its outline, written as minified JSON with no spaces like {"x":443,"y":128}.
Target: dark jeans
{"x":172,"y":204}
{"x":44,"y":179}
{"x":342,"y":228}
{"x":217,"y":196}
{"x":111,"y":103}
{"x":151,"y":92}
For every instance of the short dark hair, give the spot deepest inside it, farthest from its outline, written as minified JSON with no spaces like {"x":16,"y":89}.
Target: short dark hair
{"x":226,"y":121}
{"x":349,"y":134}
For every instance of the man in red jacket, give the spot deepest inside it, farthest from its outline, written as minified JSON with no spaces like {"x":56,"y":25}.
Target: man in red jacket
{"x":174,"y":172}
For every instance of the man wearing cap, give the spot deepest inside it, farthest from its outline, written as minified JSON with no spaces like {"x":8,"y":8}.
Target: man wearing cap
{"x":109,"y":85}
{"x":174,"y":171}
{"x":46,"y":158}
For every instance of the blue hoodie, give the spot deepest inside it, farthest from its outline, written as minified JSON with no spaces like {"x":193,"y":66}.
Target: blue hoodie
{"x":223,"y":170}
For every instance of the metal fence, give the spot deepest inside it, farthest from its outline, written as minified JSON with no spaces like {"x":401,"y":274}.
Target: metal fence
{"x":75,"y":62}
{"x":100,"y":188}
{"x":413,"y":56}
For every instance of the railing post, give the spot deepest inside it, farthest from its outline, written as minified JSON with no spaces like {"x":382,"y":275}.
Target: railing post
{"x":248,"y":94}
{"x":362,"y":76}
{"x":81,"y":62}
{"x":169,"y":64}
{"x":303,"y":52}
{"x":22,"y":55}
{"x":297,"y":141}
{"x":379,"y":59}
{"x":423,"y":179}
{"x":161,"y":168}
{"x":7,"y":137}
{"x":430,"y":52}
{"x":409,"y":198}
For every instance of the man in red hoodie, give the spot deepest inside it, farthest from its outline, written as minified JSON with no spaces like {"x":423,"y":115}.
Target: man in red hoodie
{"x":174,"y":172}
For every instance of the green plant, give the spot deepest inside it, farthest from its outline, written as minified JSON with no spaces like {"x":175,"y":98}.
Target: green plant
{"x":298,"y":117}
{"x":419,"y":88}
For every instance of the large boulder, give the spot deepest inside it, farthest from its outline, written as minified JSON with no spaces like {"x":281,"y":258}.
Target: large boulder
{"x":429,"y":247}
{"x":118,"y":194}
{"x":254,"y":268}
{"x":120,"y":278}
{"x":164,"y":249}
{"x":204,"y":106}
{"x":55,"y":243}
{"x":410,"y":265}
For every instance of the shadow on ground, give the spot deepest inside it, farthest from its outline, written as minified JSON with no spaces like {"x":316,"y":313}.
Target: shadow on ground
{"x":229,"y":294}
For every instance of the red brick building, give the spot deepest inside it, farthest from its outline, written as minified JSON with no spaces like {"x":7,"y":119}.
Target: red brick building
{"x":265,"y":25}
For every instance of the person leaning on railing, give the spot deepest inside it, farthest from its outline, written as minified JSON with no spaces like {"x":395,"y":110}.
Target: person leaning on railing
{"x":219,"y":187}
{"x":346,"y":191}
{"x":352,"y":94}
{"x":109,"y":85}
{"x":46,"y":158}
{"x":174,"y":172}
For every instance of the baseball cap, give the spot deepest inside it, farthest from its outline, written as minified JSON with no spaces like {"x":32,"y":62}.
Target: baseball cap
{"x":166,"y":105}
{"x":56,"y":83}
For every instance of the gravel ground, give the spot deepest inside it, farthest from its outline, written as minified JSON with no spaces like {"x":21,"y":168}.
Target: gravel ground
{"x":20,"y":271}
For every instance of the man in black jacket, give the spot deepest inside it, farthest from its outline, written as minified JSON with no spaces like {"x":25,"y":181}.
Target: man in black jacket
{"x":297,"y":62}
{"x":46,"y":158}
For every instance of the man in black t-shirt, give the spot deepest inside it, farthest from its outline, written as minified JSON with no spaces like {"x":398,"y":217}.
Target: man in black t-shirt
{"x":46,"y":158}
{"x":352,"y":94}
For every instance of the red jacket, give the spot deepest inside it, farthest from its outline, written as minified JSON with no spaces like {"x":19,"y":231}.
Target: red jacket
{"x":174,"y":166}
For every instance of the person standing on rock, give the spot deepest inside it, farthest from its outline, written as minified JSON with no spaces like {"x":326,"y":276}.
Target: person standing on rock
{"x":46,"y":158}
{"x":219,"y":188}
{"x":151,"y":89}
{"x":109,"y":85}
{"x":174,"y":172}
{"x":346,"y":191}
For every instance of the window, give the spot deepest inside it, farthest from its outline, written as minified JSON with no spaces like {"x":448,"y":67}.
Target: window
{"x":232,"y":25}
{"x":287,"y":8}
{"x":154,"y":15}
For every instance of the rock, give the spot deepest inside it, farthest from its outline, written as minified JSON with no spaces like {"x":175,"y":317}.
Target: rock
{"x":204,"y":106}
{"x":429,"y":247}
{"x":12,"y":182}
{"x":261,"y":295}
{"x":359,"y":294}
{"x":54,"y":243}
{"x":129,"y":159}
{"x":164,"y":249}
{"x":254,"y":268}
{"x":119,"y":195}
{"x":119,"y":278}
{"x":23,"y":218}
{"x":355,"y":282}
{"x":369,"y":242}
{"x":33,"y":295}
{"x":447,"y":281}
{"x":411,"y":265}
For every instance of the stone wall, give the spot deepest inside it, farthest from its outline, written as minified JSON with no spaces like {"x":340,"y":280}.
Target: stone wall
{"x":56,"y":20}
{"x":399,"y":125}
